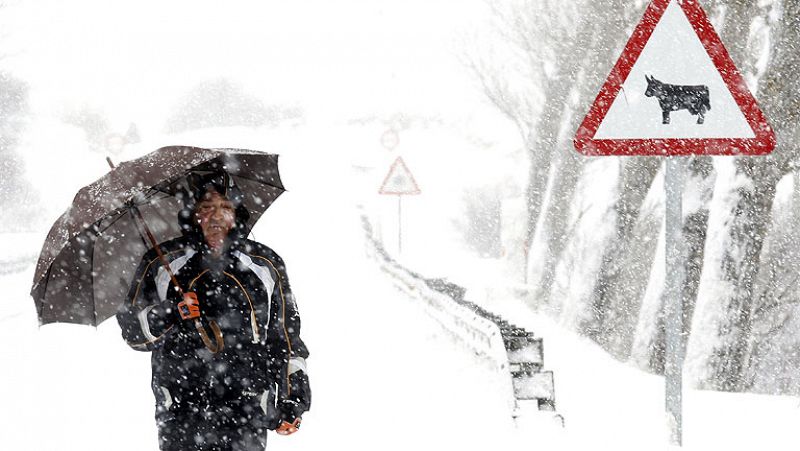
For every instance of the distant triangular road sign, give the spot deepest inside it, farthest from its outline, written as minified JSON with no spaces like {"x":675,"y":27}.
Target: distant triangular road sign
{"x":399,"y":180}
{"x":675,"y":91}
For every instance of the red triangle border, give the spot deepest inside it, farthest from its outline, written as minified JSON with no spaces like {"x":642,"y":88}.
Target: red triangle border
{"x":763,"y":142}
{"x":384,"y":190}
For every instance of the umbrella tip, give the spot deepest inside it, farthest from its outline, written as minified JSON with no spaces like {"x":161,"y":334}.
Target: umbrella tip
{"x":110,"y":163}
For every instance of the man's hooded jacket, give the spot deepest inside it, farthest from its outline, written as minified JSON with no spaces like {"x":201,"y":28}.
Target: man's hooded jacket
{"x":247,"y":293}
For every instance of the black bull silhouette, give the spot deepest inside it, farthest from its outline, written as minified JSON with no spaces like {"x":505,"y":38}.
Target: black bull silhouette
{"x":696,"y":99}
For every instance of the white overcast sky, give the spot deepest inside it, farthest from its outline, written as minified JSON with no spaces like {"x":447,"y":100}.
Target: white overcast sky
{"x":334,"y":58}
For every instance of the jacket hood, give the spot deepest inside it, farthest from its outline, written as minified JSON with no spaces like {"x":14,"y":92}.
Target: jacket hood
{"x":198,"y":186}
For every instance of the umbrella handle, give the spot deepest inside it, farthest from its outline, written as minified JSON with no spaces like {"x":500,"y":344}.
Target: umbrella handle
{"x":220,"y":342}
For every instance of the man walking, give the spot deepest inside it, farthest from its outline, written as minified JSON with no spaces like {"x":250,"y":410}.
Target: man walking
{"x":221,"y":390}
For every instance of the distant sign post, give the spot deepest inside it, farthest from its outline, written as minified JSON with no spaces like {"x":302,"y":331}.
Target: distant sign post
{"x":399,"y":182}
{"x":674,"y":92}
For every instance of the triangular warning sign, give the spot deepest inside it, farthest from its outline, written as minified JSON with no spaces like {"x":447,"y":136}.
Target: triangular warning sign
{"x":675,"y":91}
{"x":399,"y":180}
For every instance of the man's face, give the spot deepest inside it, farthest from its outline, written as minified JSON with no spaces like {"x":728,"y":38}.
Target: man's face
{"x":216,"y":216}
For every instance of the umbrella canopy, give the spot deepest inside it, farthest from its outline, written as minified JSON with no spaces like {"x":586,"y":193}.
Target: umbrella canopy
{"x":91,"y":254}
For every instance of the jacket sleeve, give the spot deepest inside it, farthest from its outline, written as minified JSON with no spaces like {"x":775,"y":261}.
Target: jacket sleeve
{"x":143,"y":318}
{"x":294,"y":392}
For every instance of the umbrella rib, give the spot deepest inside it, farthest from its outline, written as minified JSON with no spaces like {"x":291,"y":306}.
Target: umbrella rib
{"x":157,"y":187}
{"x":100,"y":231}
{"x":259,"y":181}
{"x":94,"y":300}
{"x":44,"y":295}
{"x":149,"y":196}
{"x":121,"y":215}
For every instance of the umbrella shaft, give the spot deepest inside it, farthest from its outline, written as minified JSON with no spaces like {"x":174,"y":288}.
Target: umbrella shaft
{"x":138,"y":215}
{"x":214,"y":346}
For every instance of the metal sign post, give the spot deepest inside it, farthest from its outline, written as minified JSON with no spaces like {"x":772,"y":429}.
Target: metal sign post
{"x":673,"y":299}
{"x":674,"y":92}
{"x":399,"y":224}
{"x":399,"y":182}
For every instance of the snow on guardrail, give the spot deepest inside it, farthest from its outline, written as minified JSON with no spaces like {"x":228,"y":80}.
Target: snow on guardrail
{"x":19,"y":251}
{"x":16,"y":264}
{"x":506,"y":347}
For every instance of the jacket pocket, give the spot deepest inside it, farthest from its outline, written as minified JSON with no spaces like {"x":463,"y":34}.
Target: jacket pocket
{"x":163,"y":397}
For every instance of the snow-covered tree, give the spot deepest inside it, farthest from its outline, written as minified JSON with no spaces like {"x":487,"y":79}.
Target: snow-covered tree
{"x":223,"y":103}
{"x":604,"y":33}
{"x":718,"y":357}
{"x":17,"y":198}
{"x":524,"y":75}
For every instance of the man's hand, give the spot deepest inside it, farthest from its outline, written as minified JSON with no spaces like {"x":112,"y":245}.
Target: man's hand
{"x":189,"y":307}
{"x":288,"y":428}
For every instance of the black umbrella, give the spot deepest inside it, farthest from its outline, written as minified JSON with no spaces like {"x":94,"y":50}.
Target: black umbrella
{"x":92,"y":251}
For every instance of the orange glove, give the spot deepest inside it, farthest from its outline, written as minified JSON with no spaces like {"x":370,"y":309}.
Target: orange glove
{"x":189,"y":307}
{"x":288,"y":428}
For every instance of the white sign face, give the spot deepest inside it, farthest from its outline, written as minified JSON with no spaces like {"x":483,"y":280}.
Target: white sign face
{"x":399,"y":180}
{"x":674,"y":57}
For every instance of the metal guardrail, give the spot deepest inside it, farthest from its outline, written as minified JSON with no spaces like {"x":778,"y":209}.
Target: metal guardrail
{"x":509,"y":347}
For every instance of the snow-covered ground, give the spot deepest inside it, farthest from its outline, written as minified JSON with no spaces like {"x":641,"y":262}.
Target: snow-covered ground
{"x":384,"y":375}
{"x":606,"y":404}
